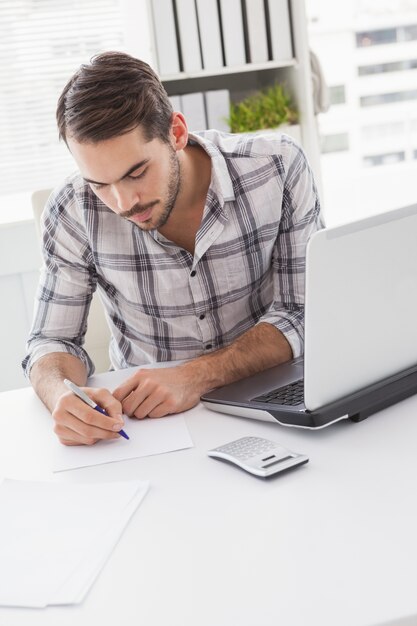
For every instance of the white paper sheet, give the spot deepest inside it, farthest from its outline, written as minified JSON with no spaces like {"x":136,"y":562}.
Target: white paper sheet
{"x":55,"y":538}
{"x":80,"y":581}
{"x":148,"y":436}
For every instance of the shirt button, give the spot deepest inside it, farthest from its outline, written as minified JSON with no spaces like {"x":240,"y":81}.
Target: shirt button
{"x":208,"y":346}
{"x":202,"y":316}
{"x":193,"y":273}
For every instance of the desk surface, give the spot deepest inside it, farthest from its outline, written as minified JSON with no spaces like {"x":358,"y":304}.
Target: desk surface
{"x":332,"y":543}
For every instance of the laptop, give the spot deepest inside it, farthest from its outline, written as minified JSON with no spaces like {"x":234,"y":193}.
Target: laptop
{"x":360,"y":350}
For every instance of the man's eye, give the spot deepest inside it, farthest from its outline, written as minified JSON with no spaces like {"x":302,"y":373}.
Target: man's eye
{"x":96,"y":186}
{"x":137,"y":176}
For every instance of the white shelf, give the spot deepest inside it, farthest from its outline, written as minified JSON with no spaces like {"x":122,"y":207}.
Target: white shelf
{"x":240,"y":80}
{"x":237,"y":69}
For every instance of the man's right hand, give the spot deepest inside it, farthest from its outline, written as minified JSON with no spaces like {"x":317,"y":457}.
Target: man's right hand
{"x":78,"y":424}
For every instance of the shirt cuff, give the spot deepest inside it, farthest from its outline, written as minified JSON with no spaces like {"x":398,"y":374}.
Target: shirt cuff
{"x":291,"y":325}
{"x":42,"y":349}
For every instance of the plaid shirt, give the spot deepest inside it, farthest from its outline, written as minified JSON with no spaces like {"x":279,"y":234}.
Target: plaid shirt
{"x":162,"y":303}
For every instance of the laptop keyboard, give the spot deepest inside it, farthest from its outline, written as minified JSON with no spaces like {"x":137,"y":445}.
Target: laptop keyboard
{"x":290,"y":395}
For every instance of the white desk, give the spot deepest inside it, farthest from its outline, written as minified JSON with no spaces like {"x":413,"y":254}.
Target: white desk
{"x":333,"y":543}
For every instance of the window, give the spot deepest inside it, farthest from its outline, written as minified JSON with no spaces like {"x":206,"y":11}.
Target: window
{"x":386,"y":35}
{"x":388,"y":98}
{"x":383,"y":68}
{"x":42,"y":42}
{"x":376,"y":37}
{"x":337,"y":94}
{"x":337,"y":142}
{"x":384,"y":159}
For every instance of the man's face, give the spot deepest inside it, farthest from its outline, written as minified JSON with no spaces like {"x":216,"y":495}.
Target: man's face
{"x":136,"y":179}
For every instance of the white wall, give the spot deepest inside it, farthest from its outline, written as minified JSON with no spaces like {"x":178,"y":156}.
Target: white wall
{"x":19,"y":270}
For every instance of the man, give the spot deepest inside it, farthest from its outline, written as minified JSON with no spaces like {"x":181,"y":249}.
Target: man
{"x":195,"y":241}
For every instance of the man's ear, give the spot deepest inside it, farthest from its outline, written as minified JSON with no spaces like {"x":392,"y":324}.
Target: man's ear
{"x":179,"y":131}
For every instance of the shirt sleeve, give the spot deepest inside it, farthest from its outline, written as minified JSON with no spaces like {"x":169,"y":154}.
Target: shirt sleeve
{"x":300,"y":218}
{"x":67,"y":283}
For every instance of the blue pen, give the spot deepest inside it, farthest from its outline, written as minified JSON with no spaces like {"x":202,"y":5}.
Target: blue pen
{"x":83,"y":396}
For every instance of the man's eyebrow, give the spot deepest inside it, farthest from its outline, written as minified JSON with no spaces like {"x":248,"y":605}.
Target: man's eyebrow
{"x":130,"y":170}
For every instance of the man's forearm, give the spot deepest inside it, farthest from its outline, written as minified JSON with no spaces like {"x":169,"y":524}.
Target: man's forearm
{"x":258,"y":349}
{"x":47,"y":376}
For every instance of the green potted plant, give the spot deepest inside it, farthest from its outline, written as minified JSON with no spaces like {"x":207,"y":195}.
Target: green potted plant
{"x":270,"y":108}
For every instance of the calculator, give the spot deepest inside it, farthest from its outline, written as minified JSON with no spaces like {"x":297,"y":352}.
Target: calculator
{"x":258,"y":456}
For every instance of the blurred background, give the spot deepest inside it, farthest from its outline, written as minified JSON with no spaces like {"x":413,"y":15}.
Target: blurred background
{"x":362,"y":146}
{"x":368,"y":137}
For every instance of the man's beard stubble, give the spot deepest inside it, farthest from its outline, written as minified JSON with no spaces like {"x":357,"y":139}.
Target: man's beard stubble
{"x":174,"y":186}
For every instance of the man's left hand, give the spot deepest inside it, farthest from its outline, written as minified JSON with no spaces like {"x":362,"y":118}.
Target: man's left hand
{"x":158,"y":392}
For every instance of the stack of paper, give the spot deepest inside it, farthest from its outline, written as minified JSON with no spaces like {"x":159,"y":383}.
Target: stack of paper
{"x":55,"y":538}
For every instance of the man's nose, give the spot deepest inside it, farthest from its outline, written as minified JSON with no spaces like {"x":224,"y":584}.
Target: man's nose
{"x":125,"y":198}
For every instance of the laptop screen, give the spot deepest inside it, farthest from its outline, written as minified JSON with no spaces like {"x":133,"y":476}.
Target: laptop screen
{"x":361,"y":305}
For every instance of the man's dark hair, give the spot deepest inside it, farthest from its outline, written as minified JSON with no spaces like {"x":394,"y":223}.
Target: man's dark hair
{"x":111,"y":96}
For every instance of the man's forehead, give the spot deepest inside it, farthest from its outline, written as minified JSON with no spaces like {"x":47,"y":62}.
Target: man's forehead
{"x":109,"y":160}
